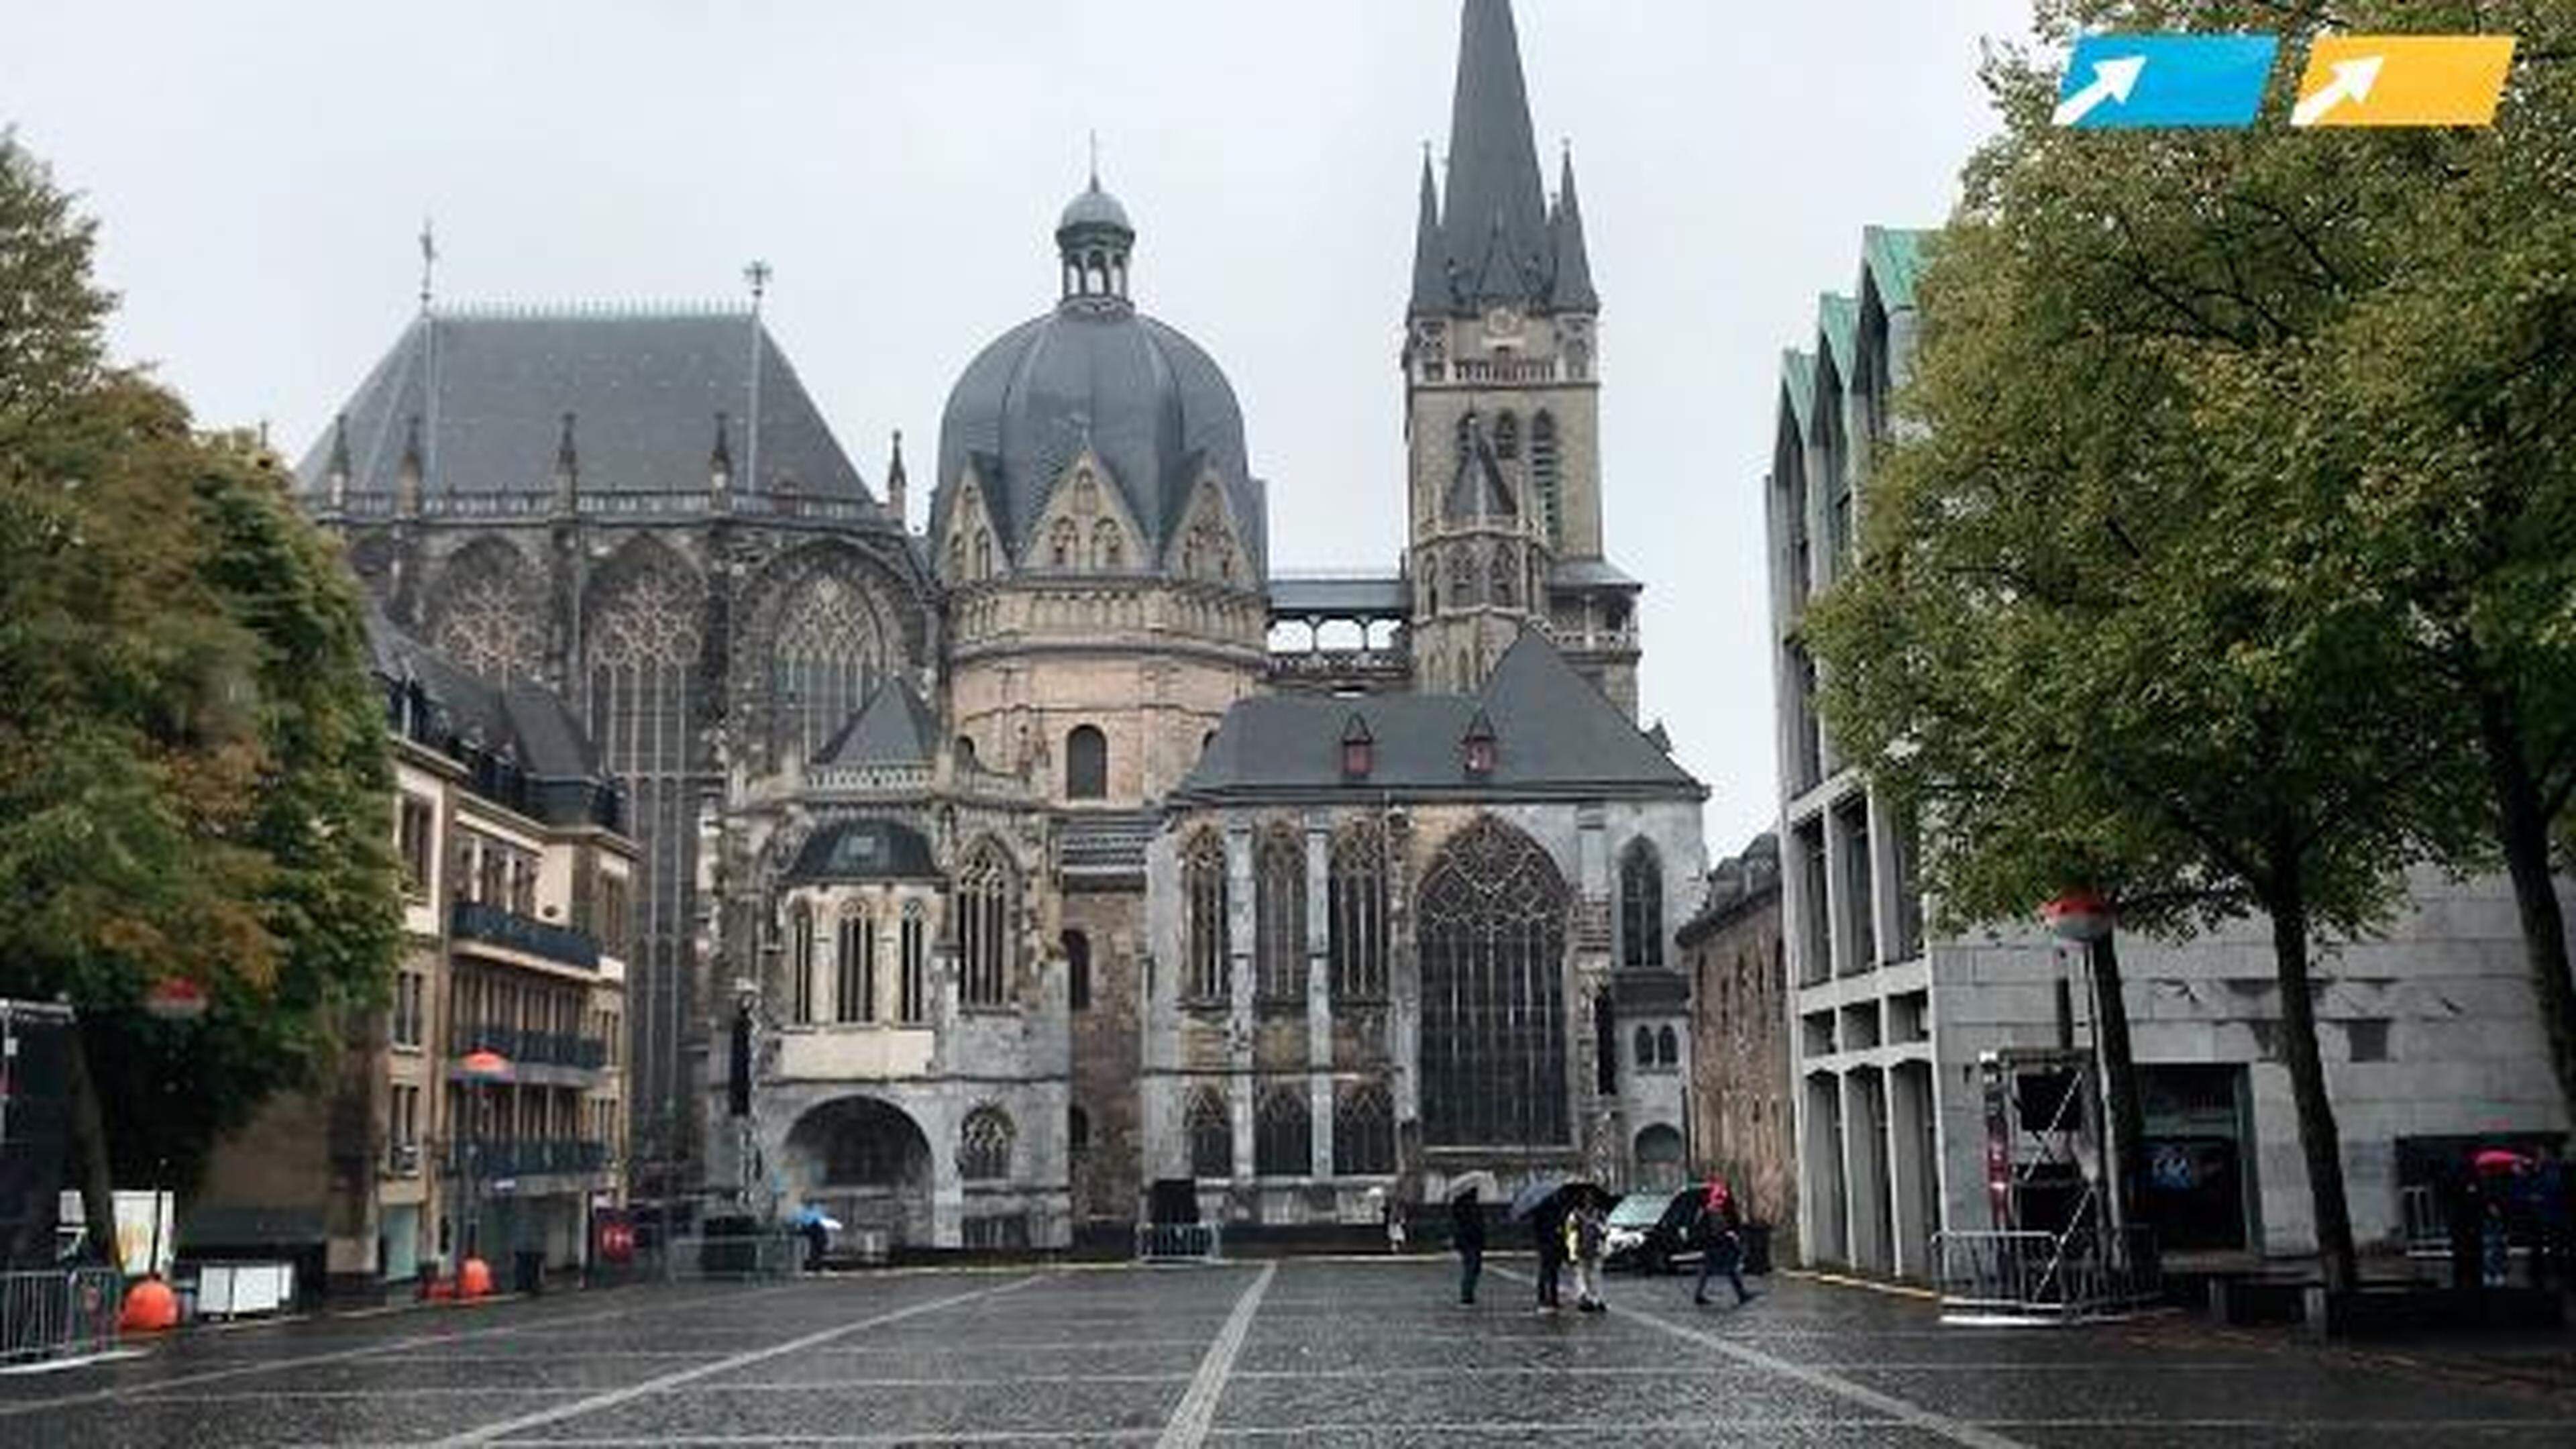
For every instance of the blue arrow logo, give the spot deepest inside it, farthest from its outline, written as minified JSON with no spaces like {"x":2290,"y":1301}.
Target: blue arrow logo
{"x":2165,"y":80}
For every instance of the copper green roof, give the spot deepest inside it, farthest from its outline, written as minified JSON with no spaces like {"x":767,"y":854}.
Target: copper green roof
{"x":1798,"y":379}
{"x":1838,"y":331}
{"x":1893,"y":258}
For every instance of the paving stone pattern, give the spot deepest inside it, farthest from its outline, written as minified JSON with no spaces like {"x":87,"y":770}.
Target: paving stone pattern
{"x":1308,"y":1354}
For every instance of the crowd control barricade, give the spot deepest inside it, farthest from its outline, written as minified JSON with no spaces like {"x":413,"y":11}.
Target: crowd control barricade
{"x":50,"y":1313}
{"x":2041,"y":1277}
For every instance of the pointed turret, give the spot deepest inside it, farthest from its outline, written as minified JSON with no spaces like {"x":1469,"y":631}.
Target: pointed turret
{"x":567,"y":468}
{"x":336,"y":476}
{"x":895,"y":484}
{"x":1573,"y":287}
{"x":1496,"y":203}
{"x":720,"y":459}
{"x":1430,"y":257}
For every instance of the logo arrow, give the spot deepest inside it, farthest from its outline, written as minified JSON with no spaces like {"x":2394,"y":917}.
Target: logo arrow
{"x":2112,"y":81}
{"x":2352,"y":82}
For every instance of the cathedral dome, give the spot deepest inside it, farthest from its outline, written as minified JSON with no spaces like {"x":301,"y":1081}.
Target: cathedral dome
{"x":1095,"y":373}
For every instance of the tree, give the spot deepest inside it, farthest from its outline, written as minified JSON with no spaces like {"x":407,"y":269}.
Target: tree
{"x":2153,"y":597}
{"x":193,"y":773}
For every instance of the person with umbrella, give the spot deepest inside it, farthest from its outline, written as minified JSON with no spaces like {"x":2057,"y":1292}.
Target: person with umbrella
{"x":1541,"y":1202}
{"x":1467,"y":1231}
{"x":818,"y":1227}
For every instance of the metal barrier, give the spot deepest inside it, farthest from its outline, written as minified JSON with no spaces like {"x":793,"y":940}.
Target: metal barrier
{"x":58,"y":1312}
{"x":1180,"y":1242}
{"x":2049,"y":1277}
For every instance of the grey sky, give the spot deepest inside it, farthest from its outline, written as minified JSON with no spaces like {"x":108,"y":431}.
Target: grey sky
{"x":262,"y":168}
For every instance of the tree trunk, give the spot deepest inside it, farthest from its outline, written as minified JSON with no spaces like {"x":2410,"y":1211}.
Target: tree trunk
{"x":90,"y":1161}
{"x":2523,"y":830}
{"x":2119,"y":1076}
{"x":2319,"y":1142}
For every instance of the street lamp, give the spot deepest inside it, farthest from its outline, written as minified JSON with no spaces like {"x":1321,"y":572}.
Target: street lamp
{"x":481,"y":1067}
{"x":2083,"y":918}
{"x":151,"y":1304}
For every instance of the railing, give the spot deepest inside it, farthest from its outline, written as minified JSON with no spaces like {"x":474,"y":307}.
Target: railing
{"x":2036,"y":1276}
{"x":477,"y":921}
{"x":598,"y":503}
{"x":1180,"y":1242}
{"x":57,"y":1313}
{"x":531,"y":1157}
{"x":1504,"y":369}
{"x":544,"y":1048}
{"x":1338,"y":662}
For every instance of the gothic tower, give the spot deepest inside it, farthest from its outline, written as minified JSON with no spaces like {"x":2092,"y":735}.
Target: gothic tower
{"x":1502,"y":399}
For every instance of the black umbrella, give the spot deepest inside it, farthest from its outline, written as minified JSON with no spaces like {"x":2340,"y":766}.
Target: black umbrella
{"x":1537,"y":1193}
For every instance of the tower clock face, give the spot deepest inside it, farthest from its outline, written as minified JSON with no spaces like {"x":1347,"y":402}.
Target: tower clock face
{"x":1502,"y":322}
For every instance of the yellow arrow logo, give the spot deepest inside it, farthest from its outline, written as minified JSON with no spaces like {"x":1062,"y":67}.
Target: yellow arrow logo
{"x":2403,"y":80}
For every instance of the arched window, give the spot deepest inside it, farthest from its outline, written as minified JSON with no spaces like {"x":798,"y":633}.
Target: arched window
{"x":1211,"y":1135}
{"x":983,"y":555}
{"x":1645,"y":1056}
{"x":1077,"y":970}
{"x":1086,"y":764}
{"x":1356,"y":906}
{"x":957,"y":558}
{"x":1641,"y":906}
{"x":1503,"y":577}
{"x":1203,"y":888}
{"x":1462,"y":579}
{"x":1668,"y":1048}
{"x":1363,"y":1132}
{"x":966,"y":752}
{"x":1466,"y":681}
{"x":912,"y":999}
{"x":1543,"y":476}
{"x":824,"y":655}
{"x":1106,"y":553}
{"x":854,"y":993}
{"x":1659,"y":1158}
{"x":986,"y":915}
{"x":1283,"y":1134}
{"x":1507,"y":437}
{"x":984,"y":1145}
{"x":1491,"y":928}
{"x":1063,"y":545}
{"x":800,"y":962}
{"x":1279,"y":917}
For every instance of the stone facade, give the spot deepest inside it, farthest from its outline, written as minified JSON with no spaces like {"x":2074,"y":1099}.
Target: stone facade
{"x":1740,"y":1084}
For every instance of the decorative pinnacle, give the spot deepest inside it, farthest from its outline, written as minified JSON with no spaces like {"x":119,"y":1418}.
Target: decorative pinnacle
{"x":757,"y":274}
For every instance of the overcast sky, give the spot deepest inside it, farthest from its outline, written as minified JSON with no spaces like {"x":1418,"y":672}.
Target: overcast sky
{"x":262,"y":170}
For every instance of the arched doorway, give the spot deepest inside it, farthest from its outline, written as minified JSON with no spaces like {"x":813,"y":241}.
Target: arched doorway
{"x":865,"y":1162}
{"x":1493,"y":1040}
{"x":1659,"y":1158}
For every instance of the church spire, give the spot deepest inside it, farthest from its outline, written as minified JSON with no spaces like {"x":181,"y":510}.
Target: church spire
{"x":1572,"y":289}
{"x":1496,"y":217}
{"x":1430,"y":258}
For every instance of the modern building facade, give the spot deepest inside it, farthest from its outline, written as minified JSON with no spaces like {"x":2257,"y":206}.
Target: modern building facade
{"x":517,"y":889}
{"x":2431,"y":1041}
{"x":917,"y":810}
{"x":1740,"y":1080}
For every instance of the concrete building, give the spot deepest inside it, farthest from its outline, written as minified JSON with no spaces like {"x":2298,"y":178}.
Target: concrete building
{"x":2431,"y":1041}
{"x":517,"y":881}
{"x":899,"y":795}
{"x":1740,"y":1081}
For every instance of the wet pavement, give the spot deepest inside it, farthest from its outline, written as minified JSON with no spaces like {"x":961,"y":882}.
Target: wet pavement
{"x":1310,"y":1354}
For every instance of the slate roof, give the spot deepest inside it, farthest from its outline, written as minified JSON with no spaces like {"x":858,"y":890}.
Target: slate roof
{"x":644,"y":389}
{"x":1555,"y":737}
{"x":1105,"y":847}
{"x":556,"y":774}
{"x":1590,"y":573}
{"x":1375,"y":594}
{"x":1478,"y":489}
{"x":892,"y":726}
{"x":1495,"y":241}
{"x":864,"y":849}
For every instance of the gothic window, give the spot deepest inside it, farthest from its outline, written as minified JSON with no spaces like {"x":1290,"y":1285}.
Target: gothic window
{"x":1077,"y":970}
{"x":984,"y":1145}
{"x":1466,"y":679}
{"x":912,"y":999}
{"x":1283,"y":1136}
{"x":1086,"y":764}
{"x":1605,"y":1044}
{"x":1668,"y":1048}
{"x":1279,"y":917}
{"x":1363,"y":1132}
{"x":1203,"y":888}
{"x":1211,"y":1135}
{"x":854,"y":993}
{"x":1507,"y":437}
{"x":987,"y":895}
{"x":826,"y":653}
{"x":983,"y":555}
{"x":1462,"y":580}
{"x":1641,"y":906}
{"x":800,"y":963}
{"x":1543,"y":476}
{"x":1356,"y":905}
{"x":1105,"y":550}
{"x":487,"y":614}
{"x":957,"y":558}
{"x":1503,"y":577}
{"x":1491,"y":915}
{"x":1062,"y":545}
{"x":1645,"y":1051}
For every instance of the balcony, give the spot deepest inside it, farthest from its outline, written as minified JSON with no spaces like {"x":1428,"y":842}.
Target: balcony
{"x":493,"y":926}
{"x":535,"y":1048}
{"x":527,"y":1157}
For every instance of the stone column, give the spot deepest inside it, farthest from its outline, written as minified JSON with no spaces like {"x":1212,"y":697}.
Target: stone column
{"x":1319,"y":991}
{"x":1238,"y":973}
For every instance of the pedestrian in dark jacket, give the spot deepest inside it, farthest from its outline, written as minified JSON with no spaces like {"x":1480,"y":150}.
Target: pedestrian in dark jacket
{"x":1719,"y":1229}
{"x":1467,"y":1232}
{"x":1548,"y":1226}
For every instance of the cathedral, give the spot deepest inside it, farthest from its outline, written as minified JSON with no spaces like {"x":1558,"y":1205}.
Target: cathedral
{"x":995,"y":872}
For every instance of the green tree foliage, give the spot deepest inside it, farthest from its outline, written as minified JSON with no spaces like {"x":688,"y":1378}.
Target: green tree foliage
{"x":2237,"y":479}
{"x":193,"y":773}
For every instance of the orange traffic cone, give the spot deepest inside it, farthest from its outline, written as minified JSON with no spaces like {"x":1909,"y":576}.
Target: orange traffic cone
{"x":473,"y":1278}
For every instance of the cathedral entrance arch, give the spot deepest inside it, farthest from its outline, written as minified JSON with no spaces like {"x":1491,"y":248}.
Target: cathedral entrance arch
{"x":865,"y":1162}
{"x":1491,"y":922}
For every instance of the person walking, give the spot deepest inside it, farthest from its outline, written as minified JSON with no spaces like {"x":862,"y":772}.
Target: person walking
{"x":1585,"y":1233}
{"x":1467,"y":1234}
{"x":1719,"y":1230}
{"x":1394,"y":1225}
{"x":1547,"y":1227}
